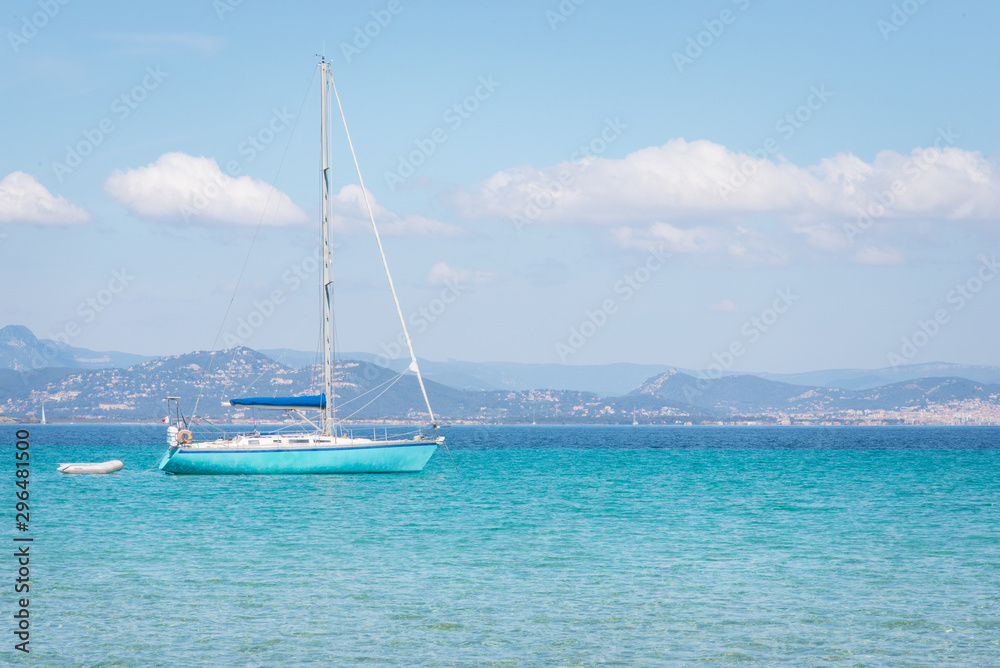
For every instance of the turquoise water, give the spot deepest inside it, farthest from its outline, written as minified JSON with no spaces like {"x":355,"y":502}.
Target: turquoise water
{"x":627,"y":546}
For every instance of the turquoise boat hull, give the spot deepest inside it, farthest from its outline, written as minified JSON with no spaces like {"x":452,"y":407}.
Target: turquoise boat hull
{"x":360,"y":459}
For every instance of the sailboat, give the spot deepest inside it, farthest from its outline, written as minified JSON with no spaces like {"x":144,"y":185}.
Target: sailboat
{"x":43,"y":414}
{"x":327,"y":447}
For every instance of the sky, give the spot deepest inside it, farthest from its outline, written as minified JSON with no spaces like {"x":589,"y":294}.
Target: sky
{"x":736,"y":184}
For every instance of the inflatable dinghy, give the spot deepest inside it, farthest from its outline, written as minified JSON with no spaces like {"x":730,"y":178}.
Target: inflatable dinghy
{"x":84,"y":467}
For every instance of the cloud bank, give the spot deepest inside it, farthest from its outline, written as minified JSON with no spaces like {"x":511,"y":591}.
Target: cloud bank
{"x":181,"y":188}
{"x":700,"y":197}
{"x":24,"y":200}
{"x":681,"y":180}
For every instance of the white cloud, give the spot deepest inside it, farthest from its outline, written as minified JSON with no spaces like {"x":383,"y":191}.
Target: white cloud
{"x":351,"y":216}
{"x":443,"y":274}
{"x":24,"y":200}
{"x":183,"y":188}
{"x":726,"y":305}
{"x":683,"y":180}
{"x":693,"y":198}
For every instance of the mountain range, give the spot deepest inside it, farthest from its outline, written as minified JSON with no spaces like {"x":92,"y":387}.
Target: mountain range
{"x":617,"y":379}
{"x":21,"y":350}
{"x":369,"y":391}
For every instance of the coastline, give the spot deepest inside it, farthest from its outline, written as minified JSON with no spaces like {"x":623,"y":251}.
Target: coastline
{"x":521,"y":423}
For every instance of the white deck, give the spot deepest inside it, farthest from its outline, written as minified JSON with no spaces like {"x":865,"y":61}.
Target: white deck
{"x":294,"y":442}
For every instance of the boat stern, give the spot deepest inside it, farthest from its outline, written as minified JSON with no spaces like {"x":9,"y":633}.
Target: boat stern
{"x":166,"y":458}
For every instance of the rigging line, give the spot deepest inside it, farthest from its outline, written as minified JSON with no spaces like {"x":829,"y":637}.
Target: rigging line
{"x":394,"y":380}
{"x":201,"y":424}
{"x":390,"y":383}
{"x":451,"y":457}
{"x":385,"y":263}
{"x":256,"y":232}
{"x":369,"y":391}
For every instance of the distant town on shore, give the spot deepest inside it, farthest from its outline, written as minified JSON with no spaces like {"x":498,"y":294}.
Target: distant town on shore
{"x":78,"y":385}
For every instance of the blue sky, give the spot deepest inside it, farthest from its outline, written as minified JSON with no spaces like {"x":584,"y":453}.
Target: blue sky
{"x":761,"y":186}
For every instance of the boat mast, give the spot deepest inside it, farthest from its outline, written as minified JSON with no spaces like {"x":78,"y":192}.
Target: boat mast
{"x":327,"y":286}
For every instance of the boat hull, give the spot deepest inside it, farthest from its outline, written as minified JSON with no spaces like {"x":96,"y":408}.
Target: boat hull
{"x":78,"y":468}
{"x":291,"y":461}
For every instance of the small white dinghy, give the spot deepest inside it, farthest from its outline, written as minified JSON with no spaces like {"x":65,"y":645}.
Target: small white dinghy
{"x":87,"y":467}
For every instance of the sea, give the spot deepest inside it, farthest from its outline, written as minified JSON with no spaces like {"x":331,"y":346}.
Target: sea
{"x":518,"y":546}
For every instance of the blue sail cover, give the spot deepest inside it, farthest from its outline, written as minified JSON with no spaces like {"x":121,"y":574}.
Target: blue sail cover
{"x":314,"y":402}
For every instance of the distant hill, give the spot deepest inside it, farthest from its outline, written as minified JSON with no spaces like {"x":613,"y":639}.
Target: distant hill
{"x":459,"y":391}
{"x":138,"y":392}
{"x":609,"y":380}
{"x":366,"y":391}
{"x":748,"y":395}
{"x":859,"y":379}
{"x":602,"y":379}
{"x":298,"y":359}
{"x":20,"y":350}
{"x":363,"y":391}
